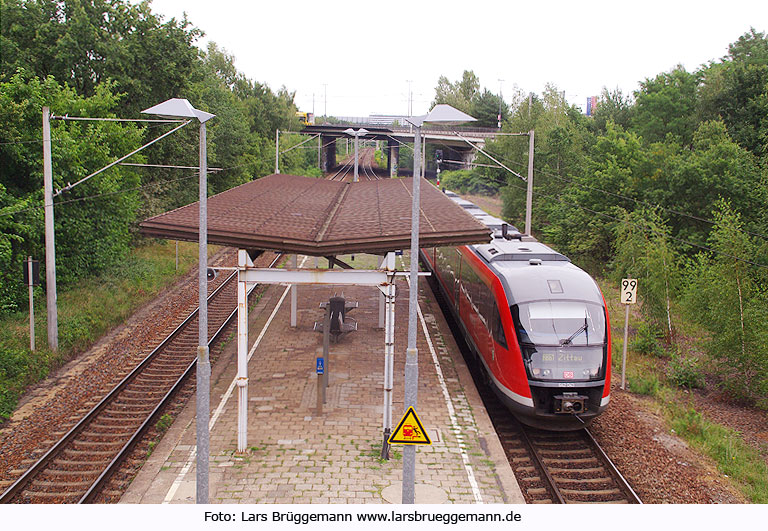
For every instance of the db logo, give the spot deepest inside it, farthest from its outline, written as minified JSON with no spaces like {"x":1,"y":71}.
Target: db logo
{"x":567,"y":374}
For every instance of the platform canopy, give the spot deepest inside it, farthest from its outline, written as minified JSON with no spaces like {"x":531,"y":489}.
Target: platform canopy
{"x":318,"y":217}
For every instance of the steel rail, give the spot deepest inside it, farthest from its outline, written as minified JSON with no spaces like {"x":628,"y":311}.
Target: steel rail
{"x":368,"y":170}
{"x":136,"y":437}
{"x":22,"y":481}
{"x":346,"y":167}
{"x":540,"y":464}
{"x":53,"y":452}
{"x":139,"y":433}
{"x":602,"y":457}
{"x":617,"y":476}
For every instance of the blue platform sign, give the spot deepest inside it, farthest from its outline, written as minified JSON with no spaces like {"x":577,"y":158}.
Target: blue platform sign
{"x":320,"y":365}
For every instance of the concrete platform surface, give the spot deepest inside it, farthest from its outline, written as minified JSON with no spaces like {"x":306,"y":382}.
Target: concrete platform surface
{"x":297,"y":456}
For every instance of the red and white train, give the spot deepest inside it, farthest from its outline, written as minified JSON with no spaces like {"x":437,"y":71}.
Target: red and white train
{"x":537,"y":323}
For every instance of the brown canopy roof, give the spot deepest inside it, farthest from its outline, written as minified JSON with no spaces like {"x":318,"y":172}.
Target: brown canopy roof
{"x":319,"y":217}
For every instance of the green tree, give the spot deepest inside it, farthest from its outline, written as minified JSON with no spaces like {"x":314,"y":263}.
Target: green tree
{"x":665,"y":105}
{"x":582,"y":215}
{"x":643,"y":250}
{"x":486,"y":107}
{"x":93,"y":220}
{"x":692,"y":181}
{"x":728,"y":297}
{"x":460,"y":94}
{"x":84,"y":43}
{"x":613,"y":106}
{"x":736,"y":91}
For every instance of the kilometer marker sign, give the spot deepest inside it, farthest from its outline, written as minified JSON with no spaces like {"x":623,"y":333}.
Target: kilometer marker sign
{"x":410,"y":430}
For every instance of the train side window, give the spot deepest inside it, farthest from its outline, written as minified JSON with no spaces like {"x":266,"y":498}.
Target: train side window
{"x":498,"y":328}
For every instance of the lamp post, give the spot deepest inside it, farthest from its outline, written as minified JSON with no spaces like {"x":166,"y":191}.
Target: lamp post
{"x":181,"y":108}
{"x":500,"y":101}
{"x":357,"y":134}
{"x":439,"y":114}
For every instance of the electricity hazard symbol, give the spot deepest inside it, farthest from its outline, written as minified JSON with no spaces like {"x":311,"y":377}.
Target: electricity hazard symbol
{"x":410,"y":430}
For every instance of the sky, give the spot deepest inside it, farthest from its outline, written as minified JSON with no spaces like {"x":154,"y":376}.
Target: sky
{"x":356,"y":58}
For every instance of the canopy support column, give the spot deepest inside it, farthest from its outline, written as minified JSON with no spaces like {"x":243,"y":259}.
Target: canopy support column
{"x":243,"y":261}
{"x":294,"y":294}
{"x":389,"y":351}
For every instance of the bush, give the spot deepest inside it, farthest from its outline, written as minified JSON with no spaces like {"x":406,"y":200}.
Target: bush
{"x":689,"y":422}
{"x":645,"y":384}
{"x":646,"y":340}
{"x":468,"y":182}
{"x":684,"y":371}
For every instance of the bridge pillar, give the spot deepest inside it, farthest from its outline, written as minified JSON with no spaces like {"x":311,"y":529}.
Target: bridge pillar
{"x":468,"y":158}
{"x":327,"y":153}
{"x":393,"y":158}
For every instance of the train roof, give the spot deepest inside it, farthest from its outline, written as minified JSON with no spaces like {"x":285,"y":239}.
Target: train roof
{"x":492,"y":222}
{"x":518,"y":251}
{"x":531,"y":271}
{"x":553,"y":280}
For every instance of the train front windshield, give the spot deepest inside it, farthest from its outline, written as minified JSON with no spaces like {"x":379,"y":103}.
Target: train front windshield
{"x":561,"y":340}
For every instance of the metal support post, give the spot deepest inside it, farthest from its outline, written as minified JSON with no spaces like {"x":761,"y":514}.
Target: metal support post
{"x":294,"y":294}
{"x":389,"y":353}
{"x":320,"y":392}
{"x":624,"y":353}
{"x":529,"y":191}
{"x":203,"y":361}
{"x":424,"y":157}
{"x":394,"y":154}
{"x":382,"y":297}
{"x":242,"y":359}
{"x":50,"y":245}
{"x":412,"y":353}
{"x":357,"y":141}
{"x":326,"y":348}
{"x":277,"y":150}
{"x":31,"y":305}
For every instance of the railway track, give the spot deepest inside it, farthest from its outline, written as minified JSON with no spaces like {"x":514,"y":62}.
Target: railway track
{"x":366,"y":171}
{"x":559,"y":467}
{"x":77,"y":467}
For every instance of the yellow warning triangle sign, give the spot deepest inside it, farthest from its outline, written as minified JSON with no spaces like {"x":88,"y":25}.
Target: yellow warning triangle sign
{"x":410,"y":430}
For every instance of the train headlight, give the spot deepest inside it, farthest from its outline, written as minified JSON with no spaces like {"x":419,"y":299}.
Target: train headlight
{"x":546,"y":373}
{"x":536,"y":371}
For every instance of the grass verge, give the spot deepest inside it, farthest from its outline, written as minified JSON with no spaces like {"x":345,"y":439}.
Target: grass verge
{"x":85,"y":312}
{"x":735,"y":459}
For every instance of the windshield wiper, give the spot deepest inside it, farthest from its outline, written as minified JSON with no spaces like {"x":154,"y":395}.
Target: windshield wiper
{"x":583,"y":328}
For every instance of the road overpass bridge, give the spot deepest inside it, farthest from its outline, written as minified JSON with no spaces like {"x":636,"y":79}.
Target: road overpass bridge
{"x":457,"y":143}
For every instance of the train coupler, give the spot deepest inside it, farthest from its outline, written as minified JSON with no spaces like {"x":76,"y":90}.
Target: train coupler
{"x":570,"y":403}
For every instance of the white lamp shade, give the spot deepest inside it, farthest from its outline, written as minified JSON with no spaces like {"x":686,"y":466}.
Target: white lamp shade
{"x":445,"y":114}
{"x":178,"y":108}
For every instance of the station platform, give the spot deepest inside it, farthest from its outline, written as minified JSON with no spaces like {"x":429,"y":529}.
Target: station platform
{"x":296,"y":455}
